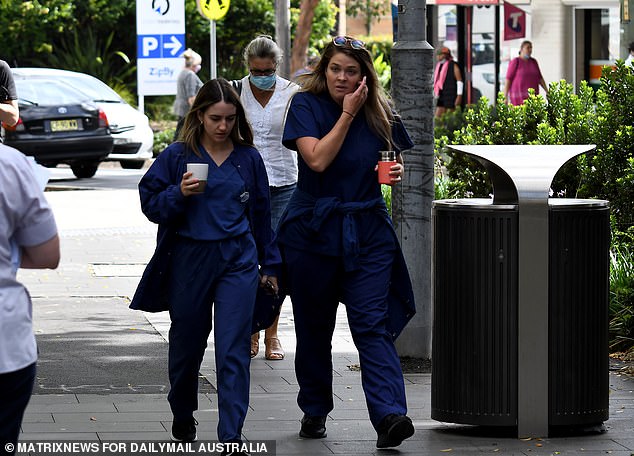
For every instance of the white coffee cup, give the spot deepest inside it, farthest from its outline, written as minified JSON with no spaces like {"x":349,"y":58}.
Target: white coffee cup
{"x":199,"y":171}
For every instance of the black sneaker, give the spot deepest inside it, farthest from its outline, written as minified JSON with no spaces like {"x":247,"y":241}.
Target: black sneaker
{"x":393,"y":429}
{"x":313,"y":427}
{"x":184,"y":430}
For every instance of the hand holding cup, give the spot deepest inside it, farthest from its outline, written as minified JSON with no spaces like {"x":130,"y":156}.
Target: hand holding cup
{"x":195,"y":179}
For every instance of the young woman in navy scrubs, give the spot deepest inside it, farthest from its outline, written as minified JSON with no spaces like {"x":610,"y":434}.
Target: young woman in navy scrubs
{"x":338,"y":242}
{"x":209,"y":249}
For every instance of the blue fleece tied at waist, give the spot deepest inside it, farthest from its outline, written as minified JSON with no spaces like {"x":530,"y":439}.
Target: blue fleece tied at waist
{"x":322,"y":208}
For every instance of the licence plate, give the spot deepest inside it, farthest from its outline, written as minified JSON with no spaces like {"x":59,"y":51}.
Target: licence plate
{"x":64,"y":125}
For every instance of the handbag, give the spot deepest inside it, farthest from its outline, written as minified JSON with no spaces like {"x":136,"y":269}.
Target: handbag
{"x":267,"y":308}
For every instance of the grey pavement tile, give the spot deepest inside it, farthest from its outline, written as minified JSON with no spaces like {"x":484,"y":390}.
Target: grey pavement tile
{"x":273,"y":413}
{"x":49,"y":399}
{"x":163,"y":436}
{"x":92,"y":426}
{"x":62,"y":408}
{"x":154,"y":406}
{"x":111,"y":417}
{"x":119,"y":398}
{"x":277,"y":404}
{"x":282,"y":427}
{"x":53,"y":436}
{"x":274,"y":387}
{"x":293,"y":445}
{"x":38,"y":418}
{"x":627,"y":442}
{"x":368,"y":447}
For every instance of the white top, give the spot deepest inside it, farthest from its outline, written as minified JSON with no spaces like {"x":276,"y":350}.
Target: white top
{"x":268,"y":125}
{"x":630,"y":60}
{"x":26,"y":219}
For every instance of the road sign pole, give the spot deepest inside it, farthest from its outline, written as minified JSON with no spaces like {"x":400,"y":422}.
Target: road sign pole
{"x":212,"y":49}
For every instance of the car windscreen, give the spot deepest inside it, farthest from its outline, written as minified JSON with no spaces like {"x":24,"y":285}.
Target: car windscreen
{"x":94,"y":88}
{"x":47,"y":92}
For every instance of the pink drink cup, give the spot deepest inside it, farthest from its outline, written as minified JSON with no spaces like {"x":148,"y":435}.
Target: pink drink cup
{"x":388,"y":159}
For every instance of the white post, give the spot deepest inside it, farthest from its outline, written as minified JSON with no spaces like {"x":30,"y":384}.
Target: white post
{"x":212,"y":49}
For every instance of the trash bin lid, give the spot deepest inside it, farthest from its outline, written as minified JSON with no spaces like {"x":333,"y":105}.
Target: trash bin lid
{"x":487,"y":203}
{"x":472,"y":203}
{"x":575,"y":203}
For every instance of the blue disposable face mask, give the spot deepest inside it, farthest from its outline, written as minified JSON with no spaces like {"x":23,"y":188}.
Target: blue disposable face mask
{"x":263,"y":82}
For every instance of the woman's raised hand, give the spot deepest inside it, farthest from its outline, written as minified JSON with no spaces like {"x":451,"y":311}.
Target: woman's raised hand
{"x":353,"y":102}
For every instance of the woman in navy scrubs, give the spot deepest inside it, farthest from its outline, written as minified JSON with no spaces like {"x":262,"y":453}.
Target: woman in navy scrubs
{"x":209,"y":249}
{"x":338,"y":242}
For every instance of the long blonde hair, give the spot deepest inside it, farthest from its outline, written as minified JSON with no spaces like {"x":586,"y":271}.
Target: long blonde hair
{"x":377,"y":108}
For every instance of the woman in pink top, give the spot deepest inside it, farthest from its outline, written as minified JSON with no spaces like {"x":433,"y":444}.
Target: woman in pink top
{"x":523,"y":73}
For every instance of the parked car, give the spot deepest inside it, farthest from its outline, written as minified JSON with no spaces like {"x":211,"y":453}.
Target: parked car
{"x":130,"y":129}
{"x":483,"y":80}
{"x":59,"y":124}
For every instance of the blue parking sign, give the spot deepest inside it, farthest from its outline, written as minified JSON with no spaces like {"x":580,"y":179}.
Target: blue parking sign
{"x":160,"y":46}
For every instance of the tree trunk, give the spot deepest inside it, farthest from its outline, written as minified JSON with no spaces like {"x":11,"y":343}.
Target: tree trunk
{"x":302,"y":34}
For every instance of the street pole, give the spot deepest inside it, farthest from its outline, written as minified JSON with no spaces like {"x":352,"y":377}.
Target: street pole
{"x":213,"y":64}
{"x":283,"y":35}
{"x":412,"y":91}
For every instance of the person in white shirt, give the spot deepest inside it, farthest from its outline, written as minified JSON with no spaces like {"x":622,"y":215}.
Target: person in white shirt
{"x":28,"y":239}
{"x":265,"y":96}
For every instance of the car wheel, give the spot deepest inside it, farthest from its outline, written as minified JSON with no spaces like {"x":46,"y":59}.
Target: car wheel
{"x":132,"y":164}
{"x":84,"y":169}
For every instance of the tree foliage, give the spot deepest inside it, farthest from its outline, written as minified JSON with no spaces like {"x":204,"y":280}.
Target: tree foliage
{"x":39,"y":32}
{"x":369,"y":10}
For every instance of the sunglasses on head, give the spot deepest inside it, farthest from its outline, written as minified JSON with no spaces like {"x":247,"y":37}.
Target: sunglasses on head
{"x":342,"y":41}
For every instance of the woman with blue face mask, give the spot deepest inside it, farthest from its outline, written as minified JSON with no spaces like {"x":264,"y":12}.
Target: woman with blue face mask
{"x":265,"y":96}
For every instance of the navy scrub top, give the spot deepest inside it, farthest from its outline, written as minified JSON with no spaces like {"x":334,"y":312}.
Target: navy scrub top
{"x":349,"y":178}
{"x":220,"y":211}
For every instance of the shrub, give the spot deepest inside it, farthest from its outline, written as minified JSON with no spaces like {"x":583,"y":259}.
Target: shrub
{"x":604,"y":118}
{"x":621,"y":324}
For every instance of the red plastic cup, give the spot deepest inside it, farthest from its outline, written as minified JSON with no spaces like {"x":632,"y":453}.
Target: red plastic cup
{"x":388,"y":159}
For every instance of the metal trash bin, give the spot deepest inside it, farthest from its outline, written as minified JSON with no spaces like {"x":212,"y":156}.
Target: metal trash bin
{"x":477,"y":348}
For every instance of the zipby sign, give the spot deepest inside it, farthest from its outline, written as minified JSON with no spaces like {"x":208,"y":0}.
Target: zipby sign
{"x":213,"y":9}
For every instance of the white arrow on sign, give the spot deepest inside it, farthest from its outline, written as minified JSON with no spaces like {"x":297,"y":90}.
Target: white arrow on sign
{"x":175,"y":45}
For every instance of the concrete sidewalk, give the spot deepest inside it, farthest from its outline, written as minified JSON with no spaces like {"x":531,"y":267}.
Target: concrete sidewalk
{"x":105,"y":243}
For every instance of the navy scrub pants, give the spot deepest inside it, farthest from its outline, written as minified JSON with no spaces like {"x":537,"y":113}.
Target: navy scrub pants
{"x":223,"y":274}
{"x":15,"y":392}
{"x":317,"y":284}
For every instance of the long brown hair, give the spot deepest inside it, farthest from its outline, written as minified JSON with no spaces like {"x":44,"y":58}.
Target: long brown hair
{"x":377,"y":107}
{"x":212,"y":92}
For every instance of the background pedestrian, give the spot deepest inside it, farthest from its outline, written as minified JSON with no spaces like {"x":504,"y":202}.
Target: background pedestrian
{"x":9,"y":111}
{"x":265,"y":97}
{"x":523,"y":73}
{"x":187,"y":86}
{"x":448,"y":83}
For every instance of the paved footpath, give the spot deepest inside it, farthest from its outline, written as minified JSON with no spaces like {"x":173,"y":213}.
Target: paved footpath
{"x":105,"y":243}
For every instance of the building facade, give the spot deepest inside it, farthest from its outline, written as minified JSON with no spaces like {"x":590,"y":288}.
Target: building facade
{"x":572,"y":39}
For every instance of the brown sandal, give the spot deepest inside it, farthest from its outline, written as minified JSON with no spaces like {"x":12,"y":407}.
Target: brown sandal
{"x":255,"y":345}
{"x":273,"y":349}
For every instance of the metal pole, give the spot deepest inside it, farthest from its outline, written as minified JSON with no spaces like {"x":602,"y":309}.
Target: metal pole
{"x":412,"y":90}
{"x":212,"y":50}
{"x":283,"y":35}
{"x":496,"y":53}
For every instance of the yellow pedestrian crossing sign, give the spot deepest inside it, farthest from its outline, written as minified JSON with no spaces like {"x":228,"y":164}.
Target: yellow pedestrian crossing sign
{"x":213,"y":9}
